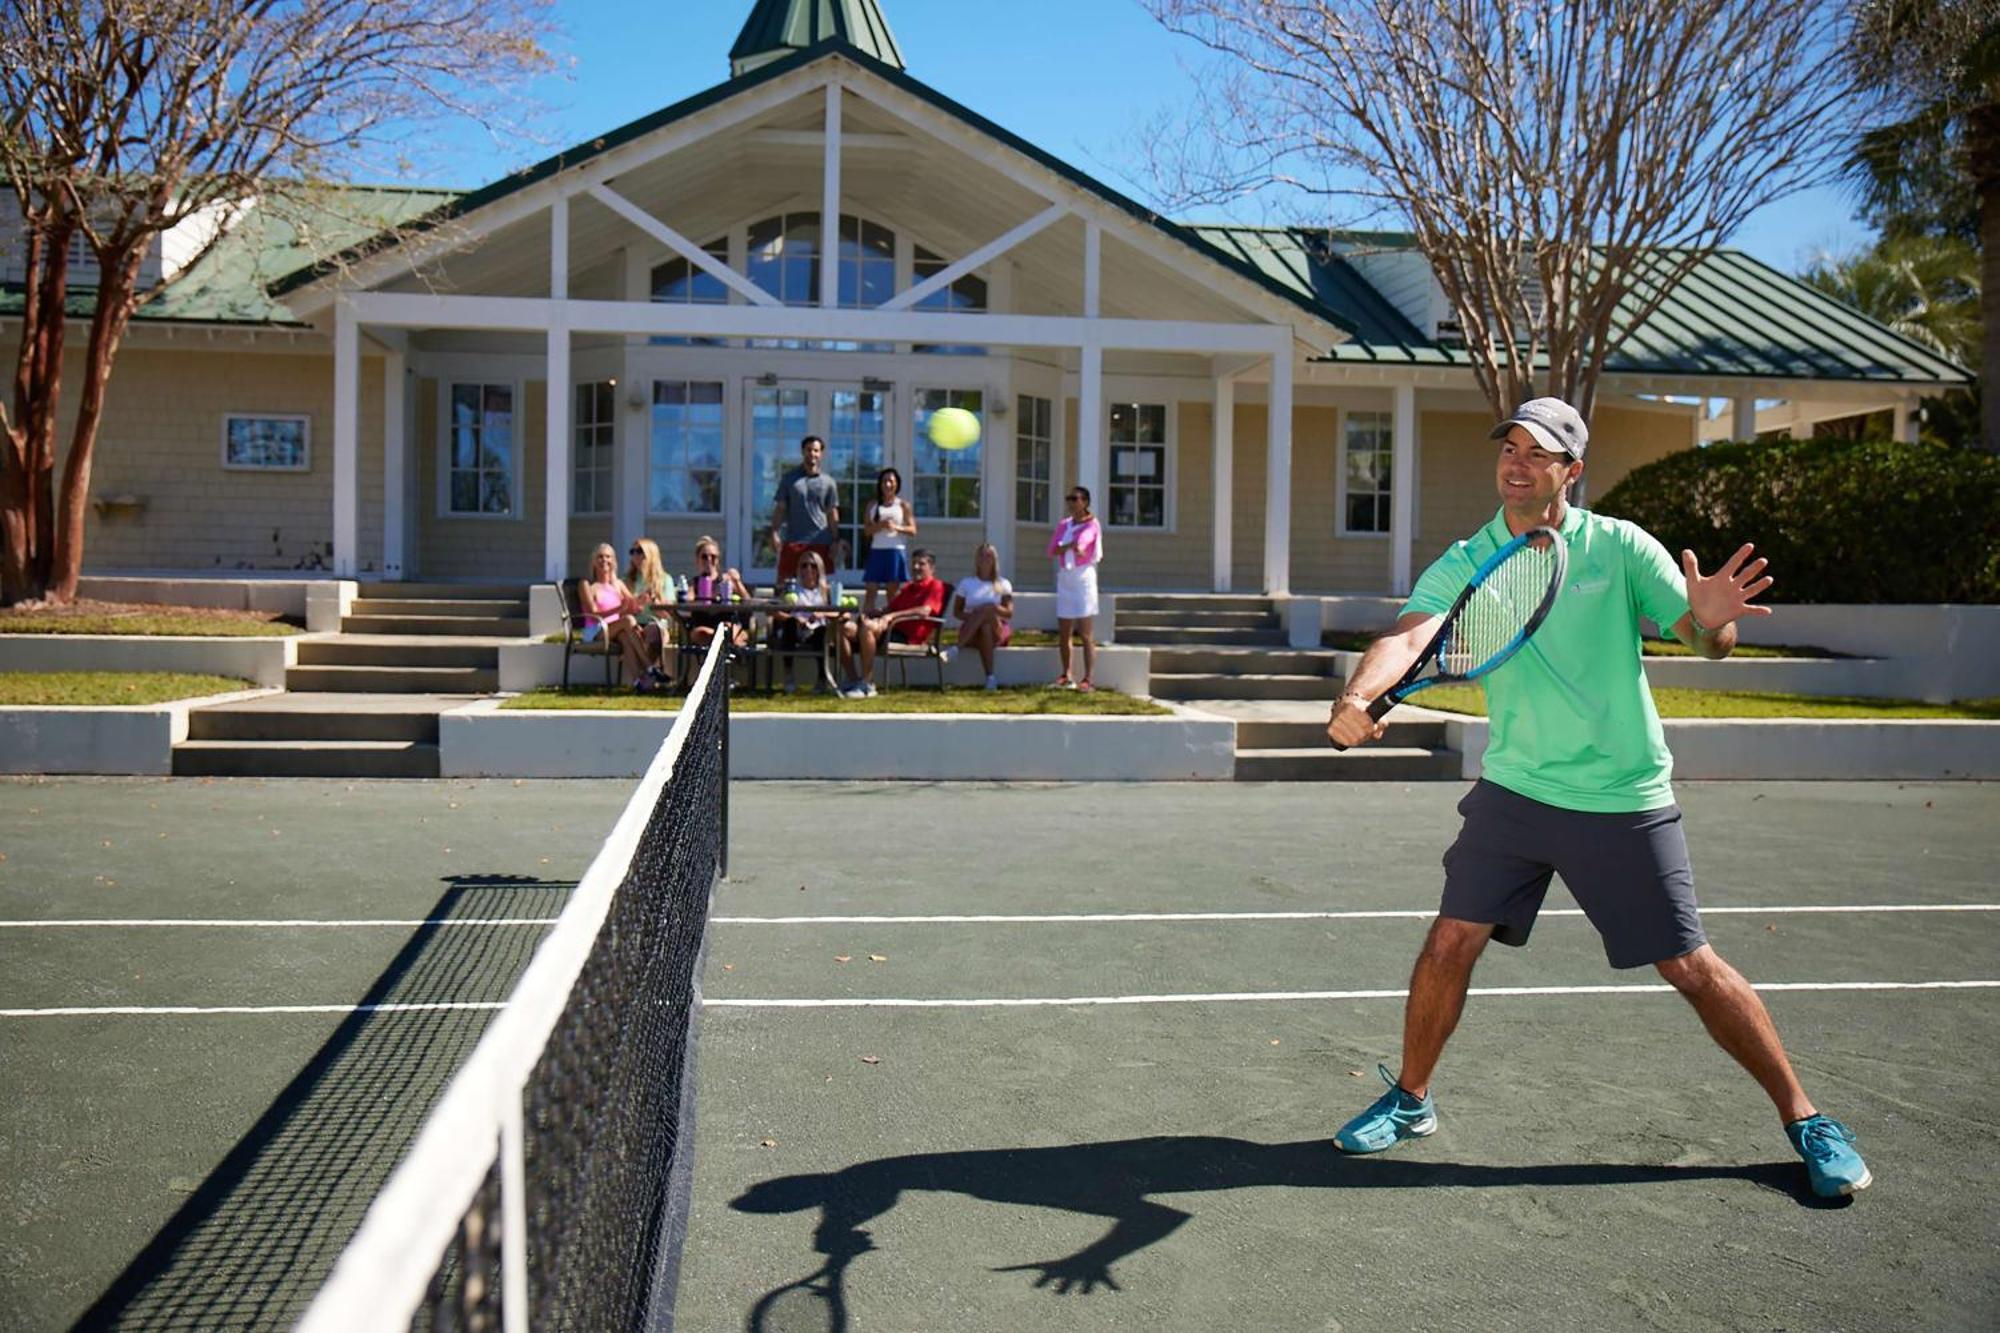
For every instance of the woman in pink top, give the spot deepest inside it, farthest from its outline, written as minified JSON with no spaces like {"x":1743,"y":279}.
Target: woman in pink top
{"x":608,"y":609}
{"x":1076,"y":547}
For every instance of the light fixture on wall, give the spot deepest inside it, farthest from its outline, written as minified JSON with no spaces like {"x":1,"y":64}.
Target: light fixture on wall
{"x":635,"y":400}
{"x":876,"y":384}
{"x":769,"y":379}
{"x":999,"y":410}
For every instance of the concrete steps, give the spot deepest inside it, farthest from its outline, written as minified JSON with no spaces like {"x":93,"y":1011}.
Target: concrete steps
{"x":1129,"y":619}
{"x":391,"y":651}
{"x":1188,"y":603}
{"x":1204,"y":635}
{"x":1378,"y":762}
{"x":494,"y":627}
{"x":445,"y":592}
{"x":1237,"y":660}
{"x":306,"y":759}
{"x":393,"y":679}
{"x":1206,"y":685}
{"x":311,"y":724}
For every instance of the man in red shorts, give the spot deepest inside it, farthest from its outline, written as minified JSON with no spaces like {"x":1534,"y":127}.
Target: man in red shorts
{"x":807,"y":515}
{"x":923,"y":596}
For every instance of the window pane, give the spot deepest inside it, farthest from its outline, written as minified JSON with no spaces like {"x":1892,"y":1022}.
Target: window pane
{"x":930,"y":495}
{"x":494,"y":493}
{"x":1152,"y":508}
{"x":964,"y":497}
{"x":464,"y":493}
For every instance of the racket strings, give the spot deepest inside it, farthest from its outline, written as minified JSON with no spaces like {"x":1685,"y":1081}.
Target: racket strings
{"x":1499,"y":609}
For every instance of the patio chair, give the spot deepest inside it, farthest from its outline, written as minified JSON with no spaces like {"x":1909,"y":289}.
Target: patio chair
{"x":574,"y":642}
{"x":903,"y":653}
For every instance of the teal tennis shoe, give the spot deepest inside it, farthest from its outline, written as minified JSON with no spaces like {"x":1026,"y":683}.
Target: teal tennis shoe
{"x":1395,"y":1116}
{"x":1831,"y":1162}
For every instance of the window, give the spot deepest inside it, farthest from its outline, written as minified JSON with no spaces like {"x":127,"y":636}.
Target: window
{"x":258,"y":443}
{"x":945,"y":482}
{"x":1367,"y":451}
{"x":590,"y":457}
{"x":1138,"y":490}
{"x":784,"y":256}
{"x":967,"y":293}
{"x":856,"y":444}
{"x":867,"y":263}
{"x":1034,"y":447}
{"x":481,"y":442}
{"x":685,"y":469}
{"x":678,"y":282}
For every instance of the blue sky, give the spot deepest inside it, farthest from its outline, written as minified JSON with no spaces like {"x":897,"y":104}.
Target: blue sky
{"x":1085,"y":97}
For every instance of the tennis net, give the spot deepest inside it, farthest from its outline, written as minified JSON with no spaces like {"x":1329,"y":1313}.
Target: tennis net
{"x":548,"y":1188}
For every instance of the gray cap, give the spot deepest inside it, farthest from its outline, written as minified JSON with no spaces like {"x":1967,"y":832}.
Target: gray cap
{"x":1556,"y":426}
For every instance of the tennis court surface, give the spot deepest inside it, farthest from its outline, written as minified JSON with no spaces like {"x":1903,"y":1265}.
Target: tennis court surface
{"x":1078,"y":1067}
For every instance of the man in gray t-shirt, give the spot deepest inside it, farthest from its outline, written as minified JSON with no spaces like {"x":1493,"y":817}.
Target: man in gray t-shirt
{"x":807,"y":515}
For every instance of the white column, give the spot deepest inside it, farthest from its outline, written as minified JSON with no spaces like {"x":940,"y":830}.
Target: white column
{"x":1093,"y":260}
{"x":1090,"y":425}
{"x":394,"y":459}
{"x":1278,"y":481}
{"x":346,"y":439}
{"x":559,"y":402}
{"x":1402,"y":488}
{"x":1743,"y":418}
{"x":829,"y":209}
{"x":1906,"y":424}
{"x":998,"y":457}
{"x":1224,"y":483}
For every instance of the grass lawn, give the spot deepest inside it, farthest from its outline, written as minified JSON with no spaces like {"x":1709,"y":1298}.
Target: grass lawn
{"x":89,"y":617}
{"x":1746,"y":703}
{"x":1037,"y":700}
{"x":1356,"y":643}
{"x":89,"y":689}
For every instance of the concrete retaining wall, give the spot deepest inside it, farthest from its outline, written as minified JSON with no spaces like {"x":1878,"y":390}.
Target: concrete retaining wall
{"x":525,"y":666}
{"x":481,"y":740}
{"x":261,"y":661}
{"x":1950,"y":652}
{"x":1309,"y":618}
{"x":135,"y":741}
{"x":1863,"y":676}
{"x":1780,"y":749}
{"x":284,"y":596}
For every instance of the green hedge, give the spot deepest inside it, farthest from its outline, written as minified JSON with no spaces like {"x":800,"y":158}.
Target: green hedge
{"x":1840,"y":520}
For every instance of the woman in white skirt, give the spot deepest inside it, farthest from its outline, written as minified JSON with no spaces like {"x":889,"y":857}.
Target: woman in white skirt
{"x":1076,"y":547}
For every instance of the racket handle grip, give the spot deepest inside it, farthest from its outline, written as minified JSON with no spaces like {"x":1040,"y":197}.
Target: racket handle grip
{"x":1376,"y":710}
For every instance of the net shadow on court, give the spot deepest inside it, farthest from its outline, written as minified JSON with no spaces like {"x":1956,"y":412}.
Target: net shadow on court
{"x":250,"y":1244}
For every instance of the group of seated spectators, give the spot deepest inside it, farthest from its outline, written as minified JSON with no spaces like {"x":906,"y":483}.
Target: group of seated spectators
{"x":629,"y":611}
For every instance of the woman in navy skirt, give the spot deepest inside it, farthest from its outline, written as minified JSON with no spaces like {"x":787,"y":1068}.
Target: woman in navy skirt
{"x":889,"y":525}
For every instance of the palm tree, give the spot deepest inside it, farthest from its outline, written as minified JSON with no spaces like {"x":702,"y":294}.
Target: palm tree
{"x":1937,"y":65}
{"x":1924,"y":287}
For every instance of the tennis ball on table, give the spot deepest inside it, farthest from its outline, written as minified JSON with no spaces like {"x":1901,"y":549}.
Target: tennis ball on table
{"x":953,"y":428}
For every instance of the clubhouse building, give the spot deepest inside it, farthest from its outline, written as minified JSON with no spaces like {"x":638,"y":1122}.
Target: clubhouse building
{"x":631,"y":337}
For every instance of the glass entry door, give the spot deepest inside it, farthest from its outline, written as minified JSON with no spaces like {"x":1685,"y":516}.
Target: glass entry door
{"x":854,"y":422}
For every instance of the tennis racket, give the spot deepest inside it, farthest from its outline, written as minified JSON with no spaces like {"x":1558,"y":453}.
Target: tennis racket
{"x":1507,"y":600}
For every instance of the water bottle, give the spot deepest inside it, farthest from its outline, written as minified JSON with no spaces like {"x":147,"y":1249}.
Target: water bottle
{"x":686,"y":596}
{"x":833,"y":593}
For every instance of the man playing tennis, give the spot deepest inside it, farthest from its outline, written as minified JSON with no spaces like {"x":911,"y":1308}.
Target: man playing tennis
{"x":1577,"y":782}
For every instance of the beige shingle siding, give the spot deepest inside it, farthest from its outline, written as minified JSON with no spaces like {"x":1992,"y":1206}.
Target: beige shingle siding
{"x":161,"y":442}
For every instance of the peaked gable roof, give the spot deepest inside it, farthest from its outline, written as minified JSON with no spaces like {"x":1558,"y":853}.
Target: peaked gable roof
{"x":776,"y":28}
{"x":831,"y":48}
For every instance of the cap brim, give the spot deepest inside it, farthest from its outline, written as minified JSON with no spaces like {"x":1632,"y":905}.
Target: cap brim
{"x":1536,"y":429}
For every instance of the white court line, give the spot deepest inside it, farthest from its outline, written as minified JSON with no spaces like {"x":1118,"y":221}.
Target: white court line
{"x":287,"y":923}
{"x":1233,"y":997}
{"x":1220,"y":997}
{"x":1400,"y":914}
{"x":276,"y":923}
{"x":180,"y":1009}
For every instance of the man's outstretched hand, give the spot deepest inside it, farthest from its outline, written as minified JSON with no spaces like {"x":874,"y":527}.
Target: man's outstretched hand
{"x":1724,"y":597}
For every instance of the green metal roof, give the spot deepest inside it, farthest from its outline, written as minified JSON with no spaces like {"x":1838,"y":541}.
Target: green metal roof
{"x":1733,"y":316}
{"x":776,"y":28}
{"x":271,"y":239}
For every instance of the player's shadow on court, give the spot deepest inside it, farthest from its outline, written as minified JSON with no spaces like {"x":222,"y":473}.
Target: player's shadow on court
{"x":1113,"y":1180}
{"x":249,"y":1247}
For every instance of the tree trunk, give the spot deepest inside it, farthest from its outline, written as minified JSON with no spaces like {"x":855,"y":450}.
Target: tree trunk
{"x":1984,"y":155}
{"x":115,"y":302}
{"x":27,"y":475}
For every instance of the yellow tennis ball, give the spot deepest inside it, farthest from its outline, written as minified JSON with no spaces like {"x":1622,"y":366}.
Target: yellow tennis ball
{"x":953,"y":428}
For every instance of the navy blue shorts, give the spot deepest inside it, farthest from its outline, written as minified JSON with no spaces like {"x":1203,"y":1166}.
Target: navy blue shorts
{"x":1628,"y":872}
{"x":887,"y":564}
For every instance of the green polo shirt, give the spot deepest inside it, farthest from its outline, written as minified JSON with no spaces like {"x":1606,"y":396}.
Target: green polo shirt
{"x":1572,"y":721}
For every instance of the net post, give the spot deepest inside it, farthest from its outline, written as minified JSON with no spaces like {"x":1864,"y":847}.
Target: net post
{"x":513,"y":1216}
{"x":722,"y":845}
